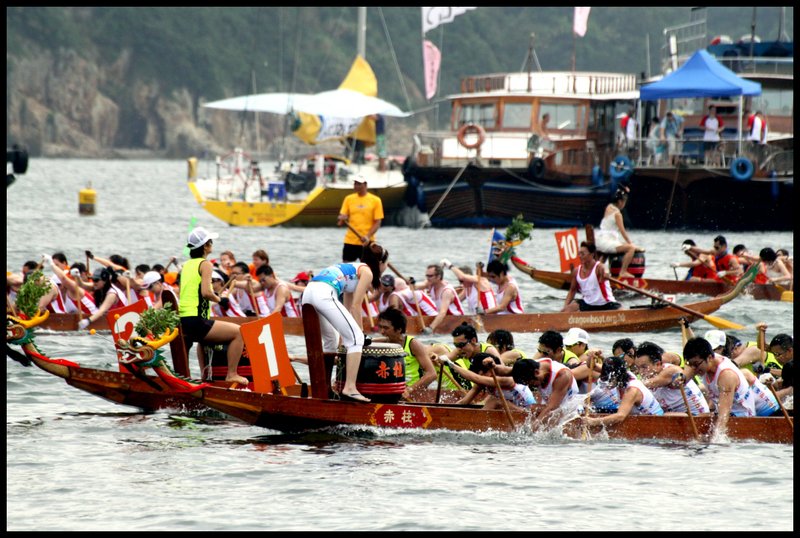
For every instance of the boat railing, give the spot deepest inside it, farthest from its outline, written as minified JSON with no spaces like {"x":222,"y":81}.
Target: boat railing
{"x":690,"y":153}
{"x":500,"y":149}
{"x":760,"y":65}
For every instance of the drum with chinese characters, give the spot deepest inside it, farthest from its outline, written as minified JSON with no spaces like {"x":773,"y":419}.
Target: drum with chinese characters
{"x":636,"y":267}
{"x":382,"y":374}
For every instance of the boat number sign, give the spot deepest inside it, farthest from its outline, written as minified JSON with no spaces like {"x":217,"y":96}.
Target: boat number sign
{"x":568,"y":249}
{"x":266,"y":348}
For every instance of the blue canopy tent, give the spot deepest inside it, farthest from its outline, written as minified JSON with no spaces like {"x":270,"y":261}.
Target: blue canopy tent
{"x":702,"y":76}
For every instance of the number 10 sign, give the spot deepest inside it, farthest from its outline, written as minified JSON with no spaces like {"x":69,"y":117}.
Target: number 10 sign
{"x":568,"y":249}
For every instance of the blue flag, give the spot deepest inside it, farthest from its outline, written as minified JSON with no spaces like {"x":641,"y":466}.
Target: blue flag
{"x":496,"y":247}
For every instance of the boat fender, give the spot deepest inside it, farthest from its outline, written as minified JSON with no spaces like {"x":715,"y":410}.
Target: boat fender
{"x":597,"y":175}
{"x":621,"y":168}
{"x":742,"y":168}
{"x":537,"y":168}
{"x":471,"y":128}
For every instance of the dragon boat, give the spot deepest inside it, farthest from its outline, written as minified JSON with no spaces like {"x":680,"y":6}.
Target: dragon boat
{"x":278,"y":399}
{"x":657,"y":315}
{"x":562,"y":281}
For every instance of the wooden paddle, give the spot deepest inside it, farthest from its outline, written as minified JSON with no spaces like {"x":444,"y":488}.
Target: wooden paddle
{"x":360,"y":237}
{"x":503,"y":399}
{"x":439,"y":384}
{"x":252,"y":296}
{"x":413,"y":292}
{"x":689,"y":411}
{"x":713,"y":320}
{"x":783,"y":409}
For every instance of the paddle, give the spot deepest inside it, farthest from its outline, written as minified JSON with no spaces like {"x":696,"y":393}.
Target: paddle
{"x":439,"y":384}
{"x":689,"y":410}
{"x":588,"y":401}
{"x":252,"y":296}
{"x":413,"y":292}
{"x":780,"y":404}
{"x":503,"y":399}
{"x":713,"y":320}
{"x":360,"y":237}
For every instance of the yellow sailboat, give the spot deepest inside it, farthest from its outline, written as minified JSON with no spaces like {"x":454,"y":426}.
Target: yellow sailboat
{"x":309,"y":192}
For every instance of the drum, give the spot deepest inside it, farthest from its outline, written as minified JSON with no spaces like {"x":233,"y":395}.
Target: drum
{"x":636,"y":267}
{"x":219,"y":364}
{"x":382,"y":374}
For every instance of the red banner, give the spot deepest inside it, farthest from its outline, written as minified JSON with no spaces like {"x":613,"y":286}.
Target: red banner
{"x":567,"y":243}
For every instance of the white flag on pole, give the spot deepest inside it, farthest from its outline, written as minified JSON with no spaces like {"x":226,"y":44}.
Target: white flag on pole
{"x":580,"y":21}
{"x":435,"y":16}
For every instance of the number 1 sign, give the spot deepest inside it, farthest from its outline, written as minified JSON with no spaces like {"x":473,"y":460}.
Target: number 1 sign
{"x":266,"y":347}
{"x":568,"y":249}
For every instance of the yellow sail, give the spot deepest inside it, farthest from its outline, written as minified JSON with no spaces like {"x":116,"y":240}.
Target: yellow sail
{"x":360,"y":78}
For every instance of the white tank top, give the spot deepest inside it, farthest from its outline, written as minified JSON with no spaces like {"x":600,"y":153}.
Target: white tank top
{"x":591,"y":290}
{"x":671,"y":399}
{"x":520,"y":395}
{"x":765,"y":403}
{"x":514,"y":306}
{"x":289,"y":309}
{"x":486,"y":299}
{"x":454,"y":308}
{"x":555,"y":368}
{"x":649,"y":404}
{"x":743,"y":398}
{"x":609,"y":223}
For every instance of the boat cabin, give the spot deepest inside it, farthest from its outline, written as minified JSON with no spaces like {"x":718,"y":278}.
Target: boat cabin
{"x":498,"y":119}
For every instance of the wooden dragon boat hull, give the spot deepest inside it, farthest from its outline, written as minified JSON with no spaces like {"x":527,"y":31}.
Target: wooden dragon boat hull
{"x":562,"y":281}
{"x":646,"y":318}
{"x":293,"y":414}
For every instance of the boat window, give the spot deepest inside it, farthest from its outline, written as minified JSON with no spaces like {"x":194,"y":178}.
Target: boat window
{"x":517,"y":116}
{"x":776,"y":102}
{"x":480,"y":114}
{"x":563,"y":116}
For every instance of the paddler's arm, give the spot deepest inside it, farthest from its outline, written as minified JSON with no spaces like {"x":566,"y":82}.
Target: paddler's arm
{"x":632,"y":397}
{"x":357,"y":297}
{"x":726,"y":383}
{"x":418,"y":349}
{"x":508,"y":296}
{"x":561,"y":385}
{"x":447,"y":298}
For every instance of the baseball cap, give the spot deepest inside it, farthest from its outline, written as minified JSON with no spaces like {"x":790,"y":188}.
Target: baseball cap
{"x":300,"y":277}
{"x":150,"y":278}
{"x":575,"y":335}
{"x":388,"y":281}
{"x":715,"y":338}
{"x":358,"y":178}
{"x":200,"y":236}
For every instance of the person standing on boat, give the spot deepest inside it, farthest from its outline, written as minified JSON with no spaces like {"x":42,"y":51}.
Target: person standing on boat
{"x":712,"y":126}
{"x":591,"y":282}
{"x":380,"y":141}
{"x":611,"y":237}
{"x":631,"y":128}
{"x":363,"y":211}
{"x":671,"y":133}
{"x":727,"y":387}
{"x":196,"y":294}
{"x":663,"y":380}
{"x":419,"y":367}
{"x":336,"y":293}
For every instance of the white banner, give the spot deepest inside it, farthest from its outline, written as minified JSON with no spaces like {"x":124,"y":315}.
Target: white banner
{"x":337,"y":127}
{"x":435,"y":16}
{"x":580,"y":20}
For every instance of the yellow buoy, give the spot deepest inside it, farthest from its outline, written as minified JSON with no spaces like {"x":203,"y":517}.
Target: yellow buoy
{"x":192,"y":162}
{"x":86,"y":200}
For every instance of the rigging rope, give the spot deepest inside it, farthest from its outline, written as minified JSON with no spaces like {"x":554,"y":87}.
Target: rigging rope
{"x":394,"y":57}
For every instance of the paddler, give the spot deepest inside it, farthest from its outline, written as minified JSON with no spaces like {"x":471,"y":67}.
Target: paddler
{"x":591,"y":282}
{"x":419,"y":368}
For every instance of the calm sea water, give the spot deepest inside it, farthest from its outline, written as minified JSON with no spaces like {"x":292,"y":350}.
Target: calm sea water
{"x":76,"y":462}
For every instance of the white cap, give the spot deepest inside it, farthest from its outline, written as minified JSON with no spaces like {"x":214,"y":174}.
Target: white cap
{"x":150,"y":278}
{"x":358,"y":178}
{"x":200,"y":236}
{"x":715,"y":338}
{"x":575,"y":335}
{"x":216,"y":275}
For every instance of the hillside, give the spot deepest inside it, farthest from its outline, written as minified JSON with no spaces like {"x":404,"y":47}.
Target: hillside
{"x":94,"y":81}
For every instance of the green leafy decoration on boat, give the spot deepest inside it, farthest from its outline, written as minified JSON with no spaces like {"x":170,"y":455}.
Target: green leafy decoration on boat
{"x":34,"y":288}
{"x":156,"y":321}
{"x":517,"y":232}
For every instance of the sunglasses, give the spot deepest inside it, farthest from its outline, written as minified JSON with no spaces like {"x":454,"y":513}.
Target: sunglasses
{"x":460,"y":345}
{"x":429,"y":276}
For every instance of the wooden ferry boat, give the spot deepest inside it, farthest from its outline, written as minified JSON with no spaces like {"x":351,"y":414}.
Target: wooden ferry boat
{"x":279,"y":400}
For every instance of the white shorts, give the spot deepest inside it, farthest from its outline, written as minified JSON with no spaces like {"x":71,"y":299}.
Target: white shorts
{"x":607,"y":241}
{"x":334,"y":318}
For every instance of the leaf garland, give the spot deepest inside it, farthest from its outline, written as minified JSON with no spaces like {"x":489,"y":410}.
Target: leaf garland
{"x":34,"y":288}
{"x":156,"y":321}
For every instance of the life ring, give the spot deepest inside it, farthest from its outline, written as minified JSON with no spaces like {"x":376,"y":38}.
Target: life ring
{"x":537,"y":168}
{"x":742,"y":169}
{"x":621,"y":168}
{"x":471,"y":128}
